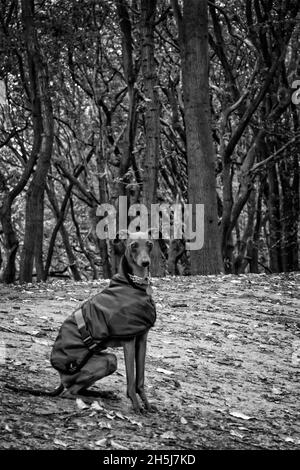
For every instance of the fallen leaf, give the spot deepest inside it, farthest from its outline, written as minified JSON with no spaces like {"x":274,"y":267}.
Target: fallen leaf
{"x":183,"y":420}
{"x":96,"y":406}
{"x":104,"y":425}
{"x":101,"y":442}
{"x":115,"y":445}
{"x":132,"y":421}
{"x":237,"y":434}
{"x":168,"y":435}
{"x":19,"y":322}
{"x":238,"y":414}
{"x":165,"y":371}
{"x":43,"y":342}
{"x":18,"y":363}
{"x":60,"y":443}
{"x":80,"y":404}
{"x":232,"y":336}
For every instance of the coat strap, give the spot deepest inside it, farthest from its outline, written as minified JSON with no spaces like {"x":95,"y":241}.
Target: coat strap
{"x":86,"y":337}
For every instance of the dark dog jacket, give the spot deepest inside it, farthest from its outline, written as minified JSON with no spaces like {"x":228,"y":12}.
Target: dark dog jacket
{"x":120,"y":311}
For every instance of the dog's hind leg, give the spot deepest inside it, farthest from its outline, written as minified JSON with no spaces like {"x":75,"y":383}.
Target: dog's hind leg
{"x":98,"y":366}
{"x":129,"y":355}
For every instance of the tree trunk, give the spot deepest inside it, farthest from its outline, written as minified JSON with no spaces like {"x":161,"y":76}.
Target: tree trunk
{"x":34,"y":215}
{"x":254,"y":247}
{"x":70,"y":254}
{"x":274,"y":221}
{"x":81,"y":243}
{"x":101,"y":244}
{"x":11,"y":242}
{"x":152,"y":124}
{"x":175,"y":252}
{"x":11,"y":245}
{"x":130,"y":73}
{"x":193,"y":37}
{"x":242,"y":259}
{"x":59,"y":215}
{"x":289,"y":178}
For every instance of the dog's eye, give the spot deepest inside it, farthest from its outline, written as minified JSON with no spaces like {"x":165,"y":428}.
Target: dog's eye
{"x":134,"y":245}
{"x":149,"y":245}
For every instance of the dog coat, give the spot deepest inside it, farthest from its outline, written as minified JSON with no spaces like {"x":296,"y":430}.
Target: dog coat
{"x":120,"y":311}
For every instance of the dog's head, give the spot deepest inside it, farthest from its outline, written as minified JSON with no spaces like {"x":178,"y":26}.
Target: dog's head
{"x":137,"y":247}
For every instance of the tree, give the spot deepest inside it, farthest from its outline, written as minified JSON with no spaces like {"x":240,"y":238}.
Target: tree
{"x":150,"y":162}
{"x":127,"y":89}
{"x":44,"y":132}
{"x":193,"y":40}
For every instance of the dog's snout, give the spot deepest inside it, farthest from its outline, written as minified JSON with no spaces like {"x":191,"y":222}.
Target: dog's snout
{"x":145,"y":263}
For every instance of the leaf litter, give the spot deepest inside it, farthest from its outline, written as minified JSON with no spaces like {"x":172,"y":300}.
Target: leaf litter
{"x":224,"y":352}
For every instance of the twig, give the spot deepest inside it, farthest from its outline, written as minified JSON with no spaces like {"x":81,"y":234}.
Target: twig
{"x":274,"y":155}
{"x":6,"y":328}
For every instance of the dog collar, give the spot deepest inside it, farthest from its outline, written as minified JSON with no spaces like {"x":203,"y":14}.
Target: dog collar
{"x":142,"y":281}
{"x":139,"y":280}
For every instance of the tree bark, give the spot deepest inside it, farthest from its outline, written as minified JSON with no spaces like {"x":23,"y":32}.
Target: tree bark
{"x":241,"y":260}
{"x":59,"y":215}
{"x":289,"y":179}
{"x":83,"y":248}
{"x":130,"y":73}
{"x":193,"y":38}
{"x":274,"y":221}
{"x":152,"y":122}
{"x":34,"y":215}
{"x":11,"y":243}
{"x":254,"y":247}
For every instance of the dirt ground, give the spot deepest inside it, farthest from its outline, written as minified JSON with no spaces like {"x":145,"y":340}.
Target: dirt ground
{"x":223,"y":368}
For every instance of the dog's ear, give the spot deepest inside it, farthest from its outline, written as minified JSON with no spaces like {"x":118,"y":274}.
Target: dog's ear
{"x":122,"y":234}
{"x":119,"y":243}
{"x":154,"y":233}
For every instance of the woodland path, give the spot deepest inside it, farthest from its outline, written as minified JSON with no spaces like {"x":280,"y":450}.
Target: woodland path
{"x":223,"y":368}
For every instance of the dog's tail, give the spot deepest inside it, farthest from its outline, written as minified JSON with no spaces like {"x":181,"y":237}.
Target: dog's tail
{"x":38,"y":393}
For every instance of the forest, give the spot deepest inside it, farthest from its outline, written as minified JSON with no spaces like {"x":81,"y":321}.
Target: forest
{"x":178,"y":119}
{"x":179,"y":101}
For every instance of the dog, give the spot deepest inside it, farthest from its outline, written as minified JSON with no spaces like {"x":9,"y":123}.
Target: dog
{"x":128,"y":309}
{"x":119,"y":316}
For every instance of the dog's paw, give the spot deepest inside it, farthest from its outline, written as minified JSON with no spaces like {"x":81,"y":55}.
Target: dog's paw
{"x":138,"y":409}
{"x":136,"y":406}
{"x":151,"y":408}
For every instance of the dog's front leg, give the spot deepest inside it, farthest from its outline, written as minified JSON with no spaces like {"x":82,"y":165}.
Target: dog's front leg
{"x":129,"y":355}
{"x":140,"y":357}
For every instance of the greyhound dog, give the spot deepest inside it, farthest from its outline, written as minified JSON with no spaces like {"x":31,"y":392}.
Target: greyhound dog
{"x":135,"y":267}
{"x":130,"y":294}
